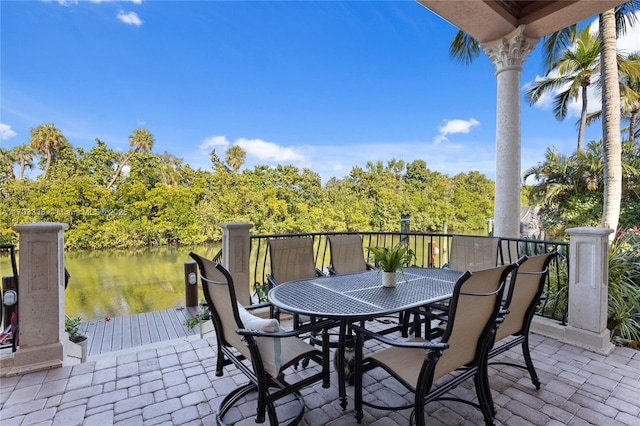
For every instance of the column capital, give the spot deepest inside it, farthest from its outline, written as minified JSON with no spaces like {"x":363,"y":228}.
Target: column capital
{"x":510,"y":51}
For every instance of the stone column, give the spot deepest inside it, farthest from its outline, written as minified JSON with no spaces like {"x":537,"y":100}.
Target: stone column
{"x":41,"y":297}
{"x":508,"y":54}
{"x":236,"y":245}
{"x":589,"y":289}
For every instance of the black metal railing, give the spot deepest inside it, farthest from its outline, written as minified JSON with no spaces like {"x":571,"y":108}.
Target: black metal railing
{"x":431,"y":251}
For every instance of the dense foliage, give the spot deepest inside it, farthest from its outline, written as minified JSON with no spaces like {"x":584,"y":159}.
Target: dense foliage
{"x":570,"y":189}
{"x":624,"y":288}
{"x":139,"y":198}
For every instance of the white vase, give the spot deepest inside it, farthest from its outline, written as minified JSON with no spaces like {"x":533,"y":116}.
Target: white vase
{"x":206,"y":329}
{"x":83,"y":348}
{"x":389,"y":279}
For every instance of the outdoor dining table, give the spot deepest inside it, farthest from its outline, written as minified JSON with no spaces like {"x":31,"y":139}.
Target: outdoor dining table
{"x":353,"y":297}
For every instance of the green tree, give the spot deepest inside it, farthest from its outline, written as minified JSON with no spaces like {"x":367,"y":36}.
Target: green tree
{"x":571,"y":188}
{"x":47,"y":139}
{"x":23,"y":155}
{"x":6,"y":165}
{"x":235,"y":157}
{"x":99,"y":162}
{"x":142,"y":140}
{"x":631,"y":94}
{"x":575,"y":70}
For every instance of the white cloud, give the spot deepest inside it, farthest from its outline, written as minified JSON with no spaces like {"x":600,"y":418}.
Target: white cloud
{"x":130,"y":18}
{"x":269,"y":151}
{"x":451,"y":127}
{"x":630,"y":42}
{"x":215,"y":142}
{"x":6,"y":132}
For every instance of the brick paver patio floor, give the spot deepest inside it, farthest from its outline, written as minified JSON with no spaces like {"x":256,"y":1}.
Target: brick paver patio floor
{"x":174,"y":383}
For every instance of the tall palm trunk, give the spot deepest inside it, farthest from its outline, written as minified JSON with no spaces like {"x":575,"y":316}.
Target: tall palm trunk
{"x":583,"y":118}
{"x":47,"y":164}
{"x":610,"y":121}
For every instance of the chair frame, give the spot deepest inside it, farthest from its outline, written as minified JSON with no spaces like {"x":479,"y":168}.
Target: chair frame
{"x":423,"y":393}
{"x":259,"y":379}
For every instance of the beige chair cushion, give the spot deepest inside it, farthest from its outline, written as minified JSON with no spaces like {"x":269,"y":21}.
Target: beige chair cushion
{"x":270,"y":348}
{"x":469,"y":253}
{"x":525,"y":288}
{"x":347,"y":254}
{"x":291,"y":259}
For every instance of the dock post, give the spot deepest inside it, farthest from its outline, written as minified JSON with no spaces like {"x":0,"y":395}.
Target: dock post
{"x":191,"y":283}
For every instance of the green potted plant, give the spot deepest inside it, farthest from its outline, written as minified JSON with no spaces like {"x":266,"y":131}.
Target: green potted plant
{"x":202,"y":319}
{"x":390,"y":260}
{"x":76,"y":335}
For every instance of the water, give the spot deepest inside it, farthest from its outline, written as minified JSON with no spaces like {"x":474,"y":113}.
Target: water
{"x":109,"y":283}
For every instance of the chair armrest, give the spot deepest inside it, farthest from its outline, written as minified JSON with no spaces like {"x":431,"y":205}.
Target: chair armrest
{"x":293,"y":333}
{"x":391,"y":342}
{"x":331,"y":270}
{"x":319,"y":273}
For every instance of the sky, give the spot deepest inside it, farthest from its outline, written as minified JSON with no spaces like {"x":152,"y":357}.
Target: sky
{"x":324,"y":85}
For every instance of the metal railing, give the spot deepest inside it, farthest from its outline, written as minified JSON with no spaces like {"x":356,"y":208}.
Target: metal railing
{"x":431,"y":251}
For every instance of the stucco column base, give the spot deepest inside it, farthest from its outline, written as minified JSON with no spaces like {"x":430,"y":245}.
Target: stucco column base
{"x":599,"y":343}
{"x":38,"y":358}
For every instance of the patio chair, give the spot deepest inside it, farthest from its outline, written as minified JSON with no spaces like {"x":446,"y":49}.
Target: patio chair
{"x":258,"y":349}
{"x":467,"y":253}
{"x":462,"y":350}
{"x":519,"y":306}
{"x":291,"y":259}
{"x":347,"y":254}
{"x":472,"y":253}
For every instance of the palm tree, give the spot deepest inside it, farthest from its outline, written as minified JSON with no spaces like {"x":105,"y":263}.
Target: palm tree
{"x":610,"y":122}
{"x":630,"y":94}
{"x":235,"y":157}
{"x":142,"y":140}
{"x":6,"y":164}
{"x":629,"y":71}
{"x":23,"y":154}
{"x":575,"y":69}
{"x":46,"y":138}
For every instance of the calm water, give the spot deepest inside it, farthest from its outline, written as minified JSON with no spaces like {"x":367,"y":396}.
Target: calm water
{"x":117,"y":282}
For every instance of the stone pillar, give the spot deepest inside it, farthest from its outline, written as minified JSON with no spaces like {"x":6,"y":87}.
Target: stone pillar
{"x":508,"y":54}
{"x":589,"y":289}
{"x":41,"y":297}
{"x":236,"y":245}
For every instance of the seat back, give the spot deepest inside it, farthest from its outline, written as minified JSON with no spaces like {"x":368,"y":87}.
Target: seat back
{"x":470,"y":253}
{"x":291,"y":258}
{"x":523,"y":294}
{"x":347,"y":253}
{"x":472,"y":314}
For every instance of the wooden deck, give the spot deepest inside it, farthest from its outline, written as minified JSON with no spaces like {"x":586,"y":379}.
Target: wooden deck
{"x":136,"y":330}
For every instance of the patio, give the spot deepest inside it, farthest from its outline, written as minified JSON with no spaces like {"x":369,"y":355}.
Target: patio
{"x":174,"y":382}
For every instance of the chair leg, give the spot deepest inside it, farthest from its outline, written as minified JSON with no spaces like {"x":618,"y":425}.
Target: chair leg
{"x":527,"y":359}
{"x":359,"y":371}
{"x":219,"y":361}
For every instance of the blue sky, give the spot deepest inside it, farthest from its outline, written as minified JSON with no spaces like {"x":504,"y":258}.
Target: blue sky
{"x":323,"y":85}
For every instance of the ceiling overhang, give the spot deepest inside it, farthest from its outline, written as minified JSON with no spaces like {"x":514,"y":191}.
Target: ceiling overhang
{"x":488,"y":20}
